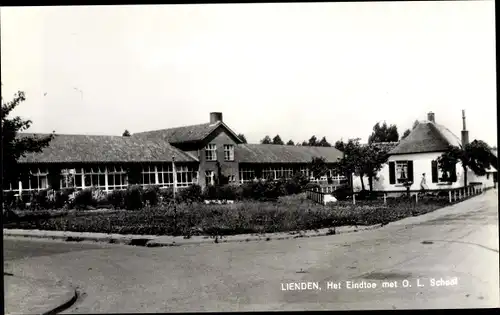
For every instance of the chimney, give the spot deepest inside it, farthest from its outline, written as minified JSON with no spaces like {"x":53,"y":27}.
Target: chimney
{"x":215,"y":117}
{"x":465,"y":133}
{"x":430,"y":116}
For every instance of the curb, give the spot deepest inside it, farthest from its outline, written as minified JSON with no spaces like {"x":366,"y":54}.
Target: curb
{"x":156,"y":241}
{"x":69,"y":302}
{"x":253,"y":238}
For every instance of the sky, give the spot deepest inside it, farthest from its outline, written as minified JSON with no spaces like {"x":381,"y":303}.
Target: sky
{"x":297,"y":70}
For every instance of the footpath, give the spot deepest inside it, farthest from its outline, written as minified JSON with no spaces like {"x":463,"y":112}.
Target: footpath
{"x":34,"y":296}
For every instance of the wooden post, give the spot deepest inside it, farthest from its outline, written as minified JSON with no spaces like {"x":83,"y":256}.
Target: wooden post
{"x":416,"y":198}
{"x":460,"y":193}
{"x":385,"y":198}
{"x":454,"y":195}
{"x":353,"y":198}
{"x":449,"y":195}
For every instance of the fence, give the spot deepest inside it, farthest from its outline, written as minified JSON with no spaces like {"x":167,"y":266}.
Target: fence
{"x":319,"y":197}
{"x":323,"y":194}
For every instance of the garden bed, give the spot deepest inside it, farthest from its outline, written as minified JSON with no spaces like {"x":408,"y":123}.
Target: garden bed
{"x":286,"y":215}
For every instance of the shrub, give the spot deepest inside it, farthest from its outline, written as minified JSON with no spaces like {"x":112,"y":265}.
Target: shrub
{"x":10,"y":199}
{"x":300,"y":180}
{"x":342,"y":193}
{"x":133,"y":197}
{"x":366,"y":195}
{"x":166,"y":194}
{"x":310,"y":186}
{"x":192,"y":193}
{"x":292,"y":187}
{"x":228,"y":192}
{"x":99,"y":196}
{"x":64,"y":197}
{"x":8,"y":215}
{"x":83,"y":199}
{"x":39,"y":199}
{"x":151,"y":195}
{"x":210,"y":192}
{"x":116,"y":199}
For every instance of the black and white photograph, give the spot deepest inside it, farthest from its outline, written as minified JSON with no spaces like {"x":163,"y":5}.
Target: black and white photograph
{"x":249,"y":157}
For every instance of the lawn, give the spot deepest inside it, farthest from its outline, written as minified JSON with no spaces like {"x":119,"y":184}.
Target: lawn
{"x":291,"y":213}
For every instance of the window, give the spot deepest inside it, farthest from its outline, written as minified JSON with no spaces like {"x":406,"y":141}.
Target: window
{"x":287,"y":172}
{"x":186,"y":175}
{"x":304,"y":171}
{"x":209,"y":178}
{"x":440,"y":176}
{"x":117,"y":177}
{"x":229,"y":152}
{"x":231,"y":178}
{"x":148,"y":175}
{"x":36,"y":179}
{"x":247,"y":174}
{"x":95,"y":177}
{"x":71,"y":178}
{"x":165,"y":175}
{"x":268,"y":173}
{"x":401,"y":171}
{"x":211,"y":152}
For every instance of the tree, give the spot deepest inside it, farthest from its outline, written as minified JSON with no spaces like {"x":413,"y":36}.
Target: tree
{"x":305,"y":143}
{"x":475,"y":156}
{"x":277,"y":140}
{"x":266,"y":140}
{"x":384,"y":133}
{"x":318,"y":167}
{"x":352,"y":162}
{"x":313,"y":141}
{"x":405,"y":134}
{"x":340,"y":145}
{"x":14,"y":147}
{"x":324,"y":143}
{"x":373,"y":158}
{"x":242,"y":137}
{"x":126,"y":133}
{"x":290,"y":142}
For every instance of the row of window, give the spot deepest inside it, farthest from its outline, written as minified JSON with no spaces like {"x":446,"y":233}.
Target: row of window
{"x":211,"y":152}
{"x":109,"y":178}
{"x":275,"y":173}
{"x":115,"y":177}
{"x":404,"y":172}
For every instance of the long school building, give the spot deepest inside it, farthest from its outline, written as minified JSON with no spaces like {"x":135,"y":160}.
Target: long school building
{"x":180,"y":157}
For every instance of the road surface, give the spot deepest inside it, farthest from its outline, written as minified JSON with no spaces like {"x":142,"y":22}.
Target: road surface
{"x":459,"y":245}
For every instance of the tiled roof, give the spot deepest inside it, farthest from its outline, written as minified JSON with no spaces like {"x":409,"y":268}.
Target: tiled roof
{"x":179,"y":134}
{"x":426,"y":137}
{"x":83,"y":148}
{"x":272,"y":153}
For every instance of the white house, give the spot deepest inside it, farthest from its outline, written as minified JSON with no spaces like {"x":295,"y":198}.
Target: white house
{"x":417,"y":154}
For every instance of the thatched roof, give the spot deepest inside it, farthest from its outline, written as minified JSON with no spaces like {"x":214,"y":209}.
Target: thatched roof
{"x":101,"y":149}
{"x":272,"y":153}
{"x":426,"y":137}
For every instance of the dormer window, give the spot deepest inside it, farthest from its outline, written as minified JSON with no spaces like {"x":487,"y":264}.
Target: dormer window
{"x":211,"y":152}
